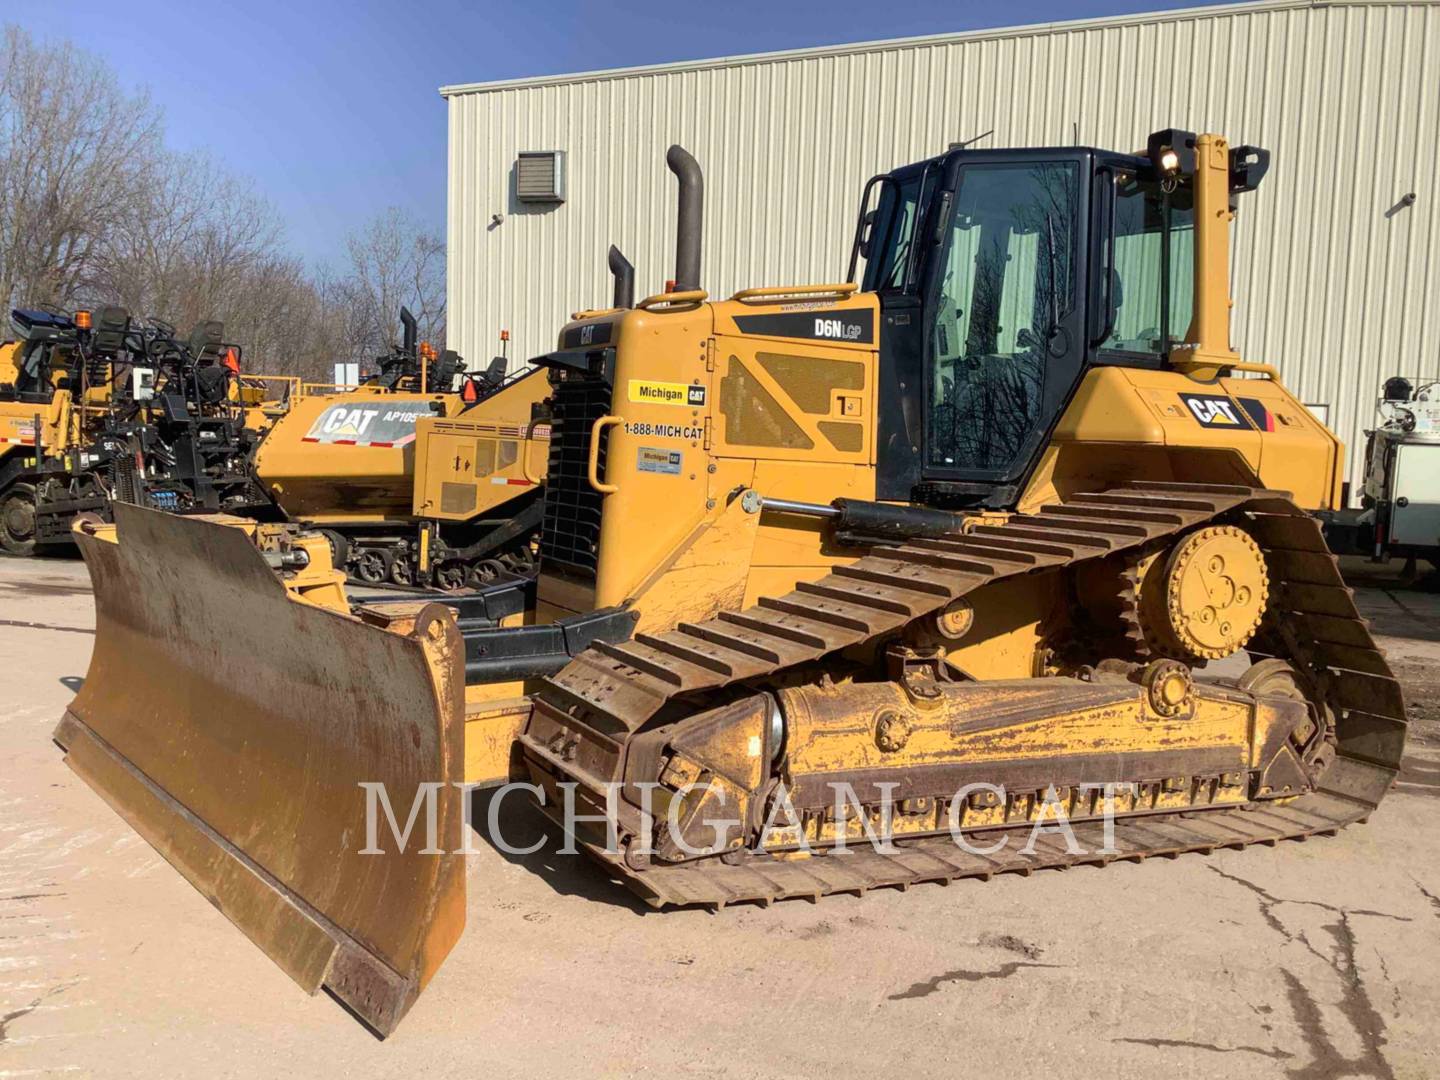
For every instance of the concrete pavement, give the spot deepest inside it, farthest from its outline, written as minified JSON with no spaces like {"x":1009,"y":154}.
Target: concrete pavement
{"x":1307,"y":961}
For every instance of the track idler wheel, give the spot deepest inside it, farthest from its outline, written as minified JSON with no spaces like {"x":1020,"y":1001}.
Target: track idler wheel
{"x":520,"y":561}
{"x":1314,"y":740}
{"x":485,"y":572}
{"x":451,"y":576}
{"x":401,"y":570}
{"x":339,"y":548}
{"x":370,"y":566}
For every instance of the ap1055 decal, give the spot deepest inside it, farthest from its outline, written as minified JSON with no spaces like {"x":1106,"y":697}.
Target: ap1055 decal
{"x":382,"y":426}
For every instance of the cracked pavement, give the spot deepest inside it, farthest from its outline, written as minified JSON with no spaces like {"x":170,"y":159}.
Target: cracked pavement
{"x":1307,"y":960}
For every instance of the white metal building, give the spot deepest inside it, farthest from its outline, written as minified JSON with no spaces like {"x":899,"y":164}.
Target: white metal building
{"x":1337,"y":265}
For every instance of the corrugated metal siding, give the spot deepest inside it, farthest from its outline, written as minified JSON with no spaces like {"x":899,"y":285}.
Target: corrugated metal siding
{"x":1332,"y":282}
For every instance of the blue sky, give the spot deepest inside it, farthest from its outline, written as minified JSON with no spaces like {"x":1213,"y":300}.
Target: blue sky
{"x":331,"y":105}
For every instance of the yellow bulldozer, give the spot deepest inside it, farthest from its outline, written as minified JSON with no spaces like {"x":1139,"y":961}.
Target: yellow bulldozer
{"x":841,"y":587}
{"x":413,"y":480}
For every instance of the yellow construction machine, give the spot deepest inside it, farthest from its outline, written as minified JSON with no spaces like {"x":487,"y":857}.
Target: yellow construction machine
{"x":957,"y":542}
{"x":97,"y":407}
{"x":413,"y":480}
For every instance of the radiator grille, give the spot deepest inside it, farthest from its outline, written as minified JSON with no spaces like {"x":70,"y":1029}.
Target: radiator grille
{"x":572,"y":507}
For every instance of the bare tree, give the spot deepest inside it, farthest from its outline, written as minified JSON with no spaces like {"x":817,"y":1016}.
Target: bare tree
{"x":395,"y":261}
{"x":202,"y":244}
{"x":291,"y":321}
{"x":187,"y":249}
{"x":94,"y":210}
{"x":75,"y":155}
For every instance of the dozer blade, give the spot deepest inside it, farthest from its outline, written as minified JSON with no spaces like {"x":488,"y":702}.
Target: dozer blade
{"x":233,"y":726}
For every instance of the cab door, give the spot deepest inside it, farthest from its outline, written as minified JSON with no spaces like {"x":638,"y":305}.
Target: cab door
{"x":986,"y":341}
{"x":1004,"y":341}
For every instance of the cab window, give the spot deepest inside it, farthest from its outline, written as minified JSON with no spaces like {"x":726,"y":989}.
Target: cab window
{"x":1144,"y":214}
{"x":1006,"y":283}
{"x":889,"y":262}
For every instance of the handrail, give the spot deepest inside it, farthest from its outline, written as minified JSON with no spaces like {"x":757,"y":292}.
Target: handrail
{"x":593,"y":466}
{"x":292,"y":387}
{"x":860,"y":224}
{"x":845,"y":288}
{"x":593,"y":313}
{"x":343,"y":388}
{"x":689,"y":296}
{"x":1196,"y":363}
{"x":1107,"y":313}
{"x":247,"y":376}
{"x":525,"y":453}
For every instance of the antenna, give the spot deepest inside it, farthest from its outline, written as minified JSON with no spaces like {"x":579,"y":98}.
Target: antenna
{"x":971,"y":142}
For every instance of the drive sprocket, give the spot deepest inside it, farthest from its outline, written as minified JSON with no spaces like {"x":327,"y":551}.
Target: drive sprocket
{"x":1202,"y":599}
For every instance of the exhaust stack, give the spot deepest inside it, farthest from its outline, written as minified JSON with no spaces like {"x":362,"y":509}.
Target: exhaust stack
{"x":411,"y":332}
{"x":624,"y":274}
{"x":687,"y":232}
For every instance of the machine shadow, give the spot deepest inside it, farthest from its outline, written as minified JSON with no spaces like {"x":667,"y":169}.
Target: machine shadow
{"x":522,"y":826}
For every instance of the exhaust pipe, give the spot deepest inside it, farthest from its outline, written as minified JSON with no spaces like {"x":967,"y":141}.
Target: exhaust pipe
{"x":687,"y":232}
{"x":624,"y":274}
{"x":412,"y":331}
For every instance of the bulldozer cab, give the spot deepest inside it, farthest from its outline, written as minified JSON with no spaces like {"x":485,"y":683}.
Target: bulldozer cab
{"x":1003,"y":276}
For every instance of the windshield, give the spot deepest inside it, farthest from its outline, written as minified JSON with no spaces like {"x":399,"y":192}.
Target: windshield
{"x":1153,"y":279}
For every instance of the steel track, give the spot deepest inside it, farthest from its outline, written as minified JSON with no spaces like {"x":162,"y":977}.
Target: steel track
{"x":1312,"y":623}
